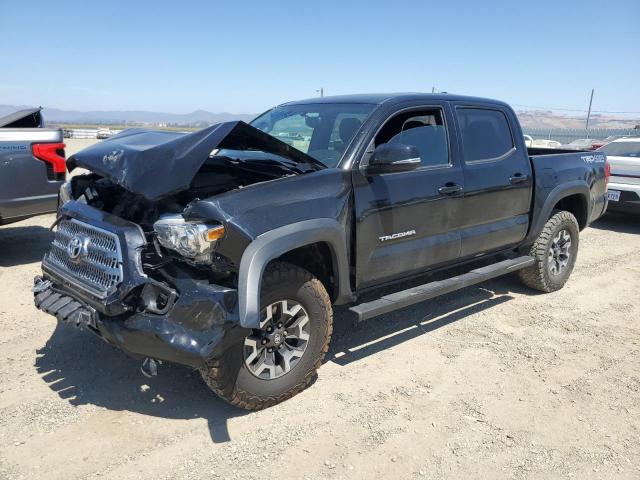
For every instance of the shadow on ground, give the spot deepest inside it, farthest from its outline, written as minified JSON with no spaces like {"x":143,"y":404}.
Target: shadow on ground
{"x":23,"y":245}
{"x":354,"y":341}
{"x":618,"y":222}
{"x":83,"y":369}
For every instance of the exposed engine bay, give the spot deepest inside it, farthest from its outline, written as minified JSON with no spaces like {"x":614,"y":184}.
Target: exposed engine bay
{"x":172,"y":241}
{"x":219,"y":174}
{"x":151,"y":177}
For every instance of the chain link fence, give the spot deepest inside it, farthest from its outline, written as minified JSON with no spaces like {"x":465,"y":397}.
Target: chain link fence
{"x":567,"y":135}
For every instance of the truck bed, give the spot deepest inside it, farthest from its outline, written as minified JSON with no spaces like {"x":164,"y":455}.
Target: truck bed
{"x":582,"y":174}
{"x":536,"y":151}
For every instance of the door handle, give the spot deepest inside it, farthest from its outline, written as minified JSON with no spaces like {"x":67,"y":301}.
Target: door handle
{"x":450,"y":189}
{"x":518,"y":178}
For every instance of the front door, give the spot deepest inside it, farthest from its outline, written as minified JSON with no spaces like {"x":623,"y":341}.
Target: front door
{"x":407,"y":222}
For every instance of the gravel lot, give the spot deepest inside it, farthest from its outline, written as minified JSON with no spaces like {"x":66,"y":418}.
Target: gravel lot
{"x":493,"y":381}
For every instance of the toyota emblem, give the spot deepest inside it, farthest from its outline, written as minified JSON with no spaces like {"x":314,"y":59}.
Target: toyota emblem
{"x":77,"y":248}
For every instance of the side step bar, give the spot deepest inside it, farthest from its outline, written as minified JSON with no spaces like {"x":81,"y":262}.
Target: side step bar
{"x":418,"y":294}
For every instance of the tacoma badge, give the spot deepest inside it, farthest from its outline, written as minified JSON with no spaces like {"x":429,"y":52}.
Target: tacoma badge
{"x":393,"y":236}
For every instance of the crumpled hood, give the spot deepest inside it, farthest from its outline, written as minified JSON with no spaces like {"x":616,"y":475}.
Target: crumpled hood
{"x":156,"y":163}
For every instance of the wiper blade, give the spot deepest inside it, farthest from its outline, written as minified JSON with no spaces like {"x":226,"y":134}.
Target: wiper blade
{"x":253,"y":164}
{"x":294,"y":167}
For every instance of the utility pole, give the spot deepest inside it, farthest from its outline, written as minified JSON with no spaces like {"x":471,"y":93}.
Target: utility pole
{"x":589,"y":113}
{"x":321,"y":91}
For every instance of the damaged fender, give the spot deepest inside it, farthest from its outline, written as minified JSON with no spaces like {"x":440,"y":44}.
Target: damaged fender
{"x":274,"y":243}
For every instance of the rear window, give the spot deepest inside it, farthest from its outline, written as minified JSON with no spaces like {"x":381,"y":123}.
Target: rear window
{"x":622,"y":149}
{"x":485,"y":133}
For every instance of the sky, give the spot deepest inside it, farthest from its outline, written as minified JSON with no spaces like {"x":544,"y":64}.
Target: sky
{"x":246,"y":56}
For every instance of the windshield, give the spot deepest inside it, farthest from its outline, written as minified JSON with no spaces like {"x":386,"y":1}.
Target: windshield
{"x":322,"y":130}
{"x":622,"y":149}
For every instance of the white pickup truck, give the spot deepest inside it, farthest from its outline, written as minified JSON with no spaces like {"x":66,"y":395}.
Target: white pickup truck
{"x":624,"y":187}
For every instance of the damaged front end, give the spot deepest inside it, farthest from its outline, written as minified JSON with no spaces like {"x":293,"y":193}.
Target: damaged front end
{"x":97,"y":275}
{"x":130,"y":265}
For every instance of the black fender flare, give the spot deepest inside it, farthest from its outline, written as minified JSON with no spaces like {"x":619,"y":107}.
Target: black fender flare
{"x":574,"y":187}
{"x":274,"y":243}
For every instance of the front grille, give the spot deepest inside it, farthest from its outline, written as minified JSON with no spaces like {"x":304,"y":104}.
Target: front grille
{"x":92,"y":262}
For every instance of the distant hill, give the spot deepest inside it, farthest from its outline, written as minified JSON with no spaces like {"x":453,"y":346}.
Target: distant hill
{"x":528,"y":119}
{"x":133,"y":116}
{"x":547,"y":119}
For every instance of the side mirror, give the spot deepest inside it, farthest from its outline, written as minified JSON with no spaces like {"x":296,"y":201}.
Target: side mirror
{"x":393,"y":157}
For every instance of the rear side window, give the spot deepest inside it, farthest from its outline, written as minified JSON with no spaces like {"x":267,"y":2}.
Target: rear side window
{"x":485,"y":133}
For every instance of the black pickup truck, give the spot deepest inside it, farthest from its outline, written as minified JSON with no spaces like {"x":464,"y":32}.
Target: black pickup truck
{"x":225,"y":249}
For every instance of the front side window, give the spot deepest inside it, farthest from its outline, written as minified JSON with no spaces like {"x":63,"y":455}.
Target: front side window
{"x":424,"y":129}
{"x":485,"y":133}
{"x":322,"y":130}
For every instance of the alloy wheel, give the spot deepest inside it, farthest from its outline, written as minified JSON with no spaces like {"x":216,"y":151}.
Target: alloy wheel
{"x":559,"y":252}
{"x":277,"y":346}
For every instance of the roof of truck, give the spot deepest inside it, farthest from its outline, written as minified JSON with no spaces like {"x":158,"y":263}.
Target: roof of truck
{"x":391,"y":98}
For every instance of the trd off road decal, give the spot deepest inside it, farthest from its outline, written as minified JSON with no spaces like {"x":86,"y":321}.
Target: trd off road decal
{"x":595,"y":158}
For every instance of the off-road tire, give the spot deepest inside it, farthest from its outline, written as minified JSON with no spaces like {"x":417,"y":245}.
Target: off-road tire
{"x":539,"y":276}
{"x":228,"y":375}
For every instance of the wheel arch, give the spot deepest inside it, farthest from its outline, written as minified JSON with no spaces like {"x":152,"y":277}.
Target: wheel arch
{"x":288,"y":243}
{"x":573,"y":197}
{"x":319,"y":259}
{"x":577,"y":205}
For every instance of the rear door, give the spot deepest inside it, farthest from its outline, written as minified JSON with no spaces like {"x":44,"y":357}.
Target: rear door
{"x":497,"y":178}
{"x":407,"y":222}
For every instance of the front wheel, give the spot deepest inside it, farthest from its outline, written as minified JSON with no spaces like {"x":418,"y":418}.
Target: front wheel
{"x":279,"y":359}
{"x":555,"y":252}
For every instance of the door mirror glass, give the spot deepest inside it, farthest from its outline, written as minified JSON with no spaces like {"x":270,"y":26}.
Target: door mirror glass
{"x":393,"y":157}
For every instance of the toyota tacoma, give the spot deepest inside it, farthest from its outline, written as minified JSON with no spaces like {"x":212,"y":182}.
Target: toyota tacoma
{"x":225,"y":249}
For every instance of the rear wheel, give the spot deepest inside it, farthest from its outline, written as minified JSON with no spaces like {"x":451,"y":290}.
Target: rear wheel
{"x":279,"y":359}
{"x":555,"y":252}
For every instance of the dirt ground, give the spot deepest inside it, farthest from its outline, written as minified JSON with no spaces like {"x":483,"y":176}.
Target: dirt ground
{"x":493,"y":381}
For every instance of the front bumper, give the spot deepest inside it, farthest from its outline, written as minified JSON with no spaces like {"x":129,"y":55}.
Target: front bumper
{"x":199,"y":326}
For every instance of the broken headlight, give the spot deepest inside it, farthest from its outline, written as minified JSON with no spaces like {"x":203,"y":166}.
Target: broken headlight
{"x":64,"y":195}
{"x":193,"y":240}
